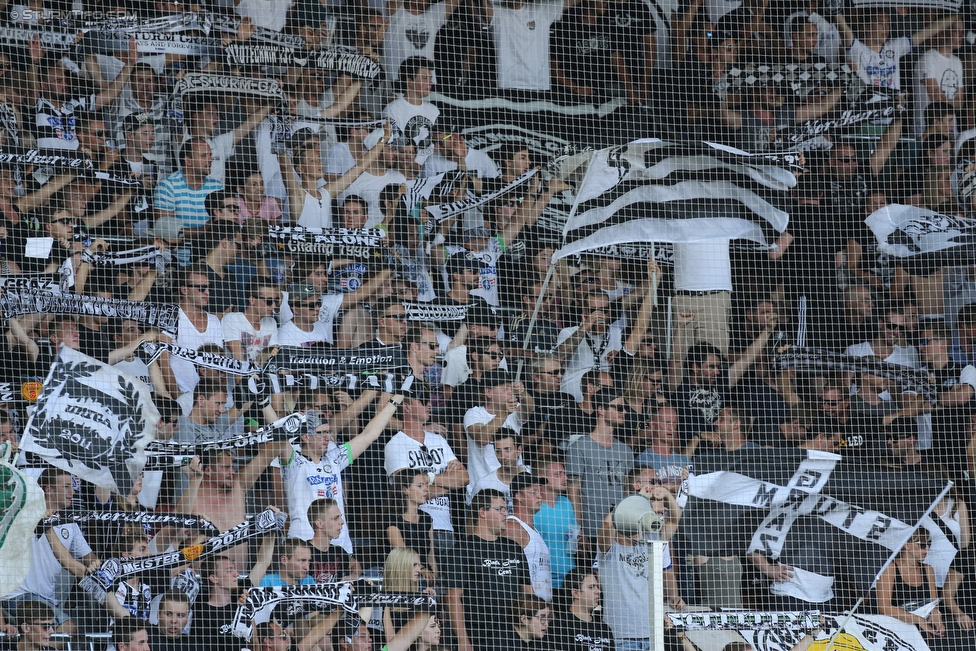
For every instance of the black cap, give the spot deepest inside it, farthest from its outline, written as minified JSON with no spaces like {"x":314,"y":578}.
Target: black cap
{"x":523,"y":480}
{"x":492,"y":379}
{"x":480,"y":313}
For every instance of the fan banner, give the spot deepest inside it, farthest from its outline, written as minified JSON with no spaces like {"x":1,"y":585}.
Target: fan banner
{"x":93,"y":421}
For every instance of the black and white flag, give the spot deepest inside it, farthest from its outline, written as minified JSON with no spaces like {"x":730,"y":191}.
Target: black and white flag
{"x":444,"y":211}
{"x":859,"y":633}
{"x":909,"y":231}
{"x":93,"y":421}
{"x":951,"y":6}
{"x":870,"y":106}
{"x":853,"y":516}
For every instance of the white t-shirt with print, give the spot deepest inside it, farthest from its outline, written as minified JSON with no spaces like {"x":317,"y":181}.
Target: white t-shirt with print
{"x":882,"y":68}
{"x":404,"y":453}
{"x":237,"y":328}
{"x":410,"y":35}
{"x":522,"y":44}
{"x":306,"y":482}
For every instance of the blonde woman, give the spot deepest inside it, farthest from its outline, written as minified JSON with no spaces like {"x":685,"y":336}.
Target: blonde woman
{"x":401,"y":575}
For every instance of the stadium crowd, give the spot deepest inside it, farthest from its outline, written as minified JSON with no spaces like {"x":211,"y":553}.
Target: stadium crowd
{"x":489,"y":481}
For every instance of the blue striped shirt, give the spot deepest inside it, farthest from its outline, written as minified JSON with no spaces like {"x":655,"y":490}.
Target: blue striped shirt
{"x":175,"y":195}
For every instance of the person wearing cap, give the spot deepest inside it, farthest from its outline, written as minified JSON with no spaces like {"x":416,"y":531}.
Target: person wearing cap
{"x":526,"y":501}
{"x":305,"y":329}
{"x":503,"y":403}
{"x":416,"y":447}
{"x":483,"y":574}
{"x":412,"y":116}
{"x":597,"y":464}
{"x":508,"y":451}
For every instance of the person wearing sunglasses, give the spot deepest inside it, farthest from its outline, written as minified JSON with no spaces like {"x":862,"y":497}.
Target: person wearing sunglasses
{"x":249,"y":333}
{"x":218,"y":246}
{"x":907,"y":584}
{"x":422,"y":349}
{"x":391,"y":325}
{"x":304,"y":329}
{"x":889,"y":343}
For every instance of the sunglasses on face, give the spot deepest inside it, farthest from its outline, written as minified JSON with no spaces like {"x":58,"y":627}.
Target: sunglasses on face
{"x":432,"y":345}
{"x":199,"y":288}
{"x":892,"y":326}
{"x":396,"y":317}
{"x":232,"y":208}
{"x":493,"y":356}
{"x":267,"y":300}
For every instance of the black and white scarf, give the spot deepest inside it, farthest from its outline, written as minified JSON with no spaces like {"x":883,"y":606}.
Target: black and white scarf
{"x":136,"y":517}
{"x":445,"y":211}
{"x":795,"y":76}
{"x":196,"y":82}
{"x":101,"y":581}
{"x":68,"y":161}
{"x":40,"y":282}
{"x":357,"y":361}
{"x":867,"y":107}
{"x":58,"y":40}
{"x":335,"y":59}
{"x":386,"y":382}
{"x":214,"y":361}
{"x":104,"y":42}
{"x":164,"y":316}
{"x":120,"y":258}
{"x":355,"y":243}
{"x":435,"y":313}
{"x":911,"y":380}
{"x":172,"y":23}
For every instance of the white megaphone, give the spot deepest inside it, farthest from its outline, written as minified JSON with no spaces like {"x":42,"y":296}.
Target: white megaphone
{"x":634,"y":516}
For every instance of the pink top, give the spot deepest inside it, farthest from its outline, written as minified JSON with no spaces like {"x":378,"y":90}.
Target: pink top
{"x":270,"y":210}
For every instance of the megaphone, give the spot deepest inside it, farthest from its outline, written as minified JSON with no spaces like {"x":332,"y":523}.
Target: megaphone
{"x":634,"y":516}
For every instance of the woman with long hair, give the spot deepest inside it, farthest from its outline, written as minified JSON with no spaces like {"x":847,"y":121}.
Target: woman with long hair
{"x":407,"y":525}
{"x":907,"y":584}
{"x":401,"y":575}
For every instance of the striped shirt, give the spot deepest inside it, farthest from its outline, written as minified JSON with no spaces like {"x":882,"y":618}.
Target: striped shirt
{"x":56,"y":124}
{"x":175,"y":195}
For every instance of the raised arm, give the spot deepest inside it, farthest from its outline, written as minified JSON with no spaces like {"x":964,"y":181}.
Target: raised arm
{"x":643,"y":320}
{"x":335,"y":188}
{"x":932,"y":29}
{"x":111,"y":93}
{"x":741,"y":365}
{"x":296,"y":200}
{"x":846,"y":33}
{"x":375,"y":427}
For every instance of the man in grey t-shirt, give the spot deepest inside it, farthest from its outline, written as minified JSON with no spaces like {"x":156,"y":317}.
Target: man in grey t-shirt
{"x":597,"y":464}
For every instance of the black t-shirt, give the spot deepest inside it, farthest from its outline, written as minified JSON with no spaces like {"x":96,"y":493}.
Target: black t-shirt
{"x":950,"y":424}
{"x":509,"y":640}
{"x":699,"y":406}
{"x":94,"y":343}
{"x":582,"y":51}
{"x":491,"y":576}
{"x":569,"y":633}
{"x":224,"y":292}
{"x":416,"y":535}
{"x":159,"y":642}
{"x":211,"y":627}
{"x":330,"y":566}
{"x":626,"y":24}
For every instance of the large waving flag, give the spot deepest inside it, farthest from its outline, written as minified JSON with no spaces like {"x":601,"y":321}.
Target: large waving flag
{"x":779,"y":502}
{"x":92,"y":421}
{"x":657,"y":191}
{"x":21,"y":508}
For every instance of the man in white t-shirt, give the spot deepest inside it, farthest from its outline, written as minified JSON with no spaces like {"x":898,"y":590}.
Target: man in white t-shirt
{"x":416,"y":448}
{"x":594,"y":343}
{"x":520,"y":32}
{"x":313,"y":315}
{"x":412,"y":116}
{"x":503,"y":402}
{"x":247,"y":334}
{"x":940,"y":74}
{"x":312,"y":470}
{"x":412,"y":30}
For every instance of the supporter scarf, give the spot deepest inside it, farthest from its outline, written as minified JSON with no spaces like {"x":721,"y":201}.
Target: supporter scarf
{"x":429,"y":312}
{"x":803,"y":620}
{"x":335,"y":59}
{"x":911,"y":380}
{"x":102,"y":580}
{"x":151,"y":43}
{"x":876,"y":107}
{"x":283,"y":127}
{"x":59,"y":40}
{"x":355,"y":243}
{"x":155,"y":315}
{"x":181,"y":22}
{"x":120,"y":258}
{"x":796,"y":76}
{"x":167,"y":454}
{"x":69,"y":161}
{"x":214,"y":361}
{"x":136,"y":517}
{"x":229,"y":25}
{"x":260,"y":602}
{"x":386,"y":382}
{"x":861,"y":632}
{"x":337,"y":361}
{"x":112,"y":177}
{"x":445,"y":211}
{"x":663,"y":254}
{"x":40,"y":282}
{"x":196,"y":82}
{"x":952,"y":6}
{"x":530,"y":107}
